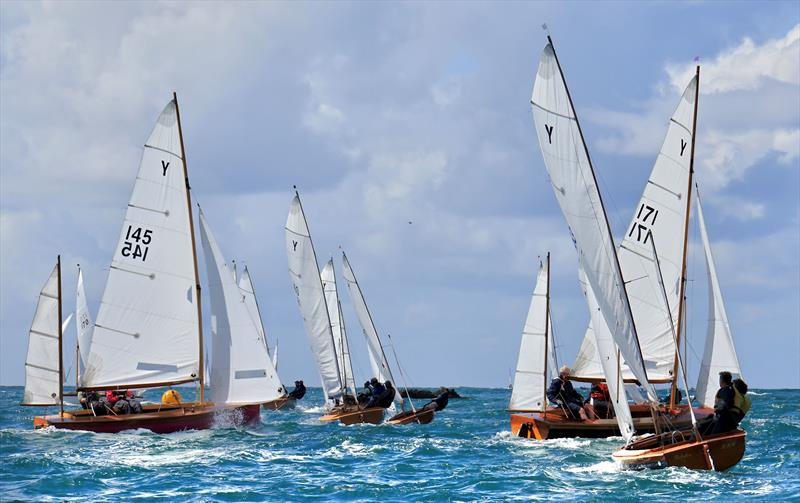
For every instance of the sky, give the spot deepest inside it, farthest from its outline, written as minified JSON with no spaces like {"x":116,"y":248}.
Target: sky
{"x":407,"y":129}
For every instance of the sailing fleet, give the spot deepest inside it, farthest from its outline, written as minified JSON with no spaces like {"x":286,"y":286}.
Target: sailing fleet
{"x":148,"y":332}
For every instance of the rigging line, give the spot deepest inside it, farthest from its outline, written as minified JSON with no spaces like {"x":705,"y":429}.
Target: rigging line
{"x":402,"y":374}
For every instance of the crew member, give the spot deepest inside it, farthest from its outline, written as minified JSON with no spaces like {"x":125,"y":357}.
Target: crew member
{"x":564,"y":395}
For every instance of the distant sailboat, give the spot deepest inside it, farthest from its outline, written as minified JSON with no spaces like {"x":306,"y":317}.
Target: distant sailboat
{"x":308,"y":286}
{"x":148,"y":331}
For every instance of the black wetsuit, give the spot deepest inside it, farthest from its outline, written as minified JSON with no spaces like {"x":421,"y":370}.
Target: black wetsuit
{"x":386,"y":398}
{"x":299,"y":391}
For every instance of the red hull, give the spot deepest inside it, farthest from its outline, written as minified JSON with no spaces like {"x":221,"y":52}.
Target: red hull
{"x":158,"y":420}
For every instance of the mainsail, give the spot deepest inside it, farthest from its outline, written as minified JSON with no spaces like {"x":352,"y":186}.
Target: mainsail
{"x":305,"y":275}
{"x":83,"y":323}
{"x":572,"y":177}
{"x":380,"y":364}
{"x":147,"y":331}
{"x":241,"y":370}
{"x":719,"y":353}
{"x":248,"y":293}
{"x":328,"y":278}
{"x":536,"y":365}
{"x":661,"y":211}
{"x":42,"y":365}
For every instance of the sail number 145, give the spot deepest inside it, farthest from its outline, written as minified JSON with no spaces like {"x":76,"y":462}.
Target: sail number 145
{"x":136,"y":242}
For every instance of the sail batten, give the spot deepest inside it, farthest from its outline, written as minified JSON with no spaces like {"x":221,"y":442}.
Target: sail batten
{"x":305,"y":275}
{"x":149,"y":311}
{"x":241,"y":370}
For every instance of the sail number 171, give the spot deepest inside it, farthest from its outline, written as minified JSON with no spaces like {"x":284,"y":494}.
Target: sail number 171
{"x":136,"y":242}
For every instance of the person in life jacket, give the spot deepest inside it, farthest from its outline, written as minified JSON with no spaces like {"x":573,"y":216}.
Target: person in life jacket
{"x":725,"y":419}
{"x":600,"y":399}
{"x":134,"y":402}
{"x":741,"y":402}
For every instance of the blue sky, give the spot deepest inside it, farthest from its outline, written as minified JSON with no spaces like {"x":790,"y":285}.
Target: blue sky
{"x":387,"y":113}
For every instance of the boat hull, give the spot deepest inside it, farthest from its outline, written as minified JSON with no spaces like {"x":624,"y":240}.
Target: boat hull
{"x":411,"y":417}
{"x":713,"y":452}
{"x":372,"y":415}
{"x":281,"y":403}
{"x":164,"y":419}
{"x":555,"y":424}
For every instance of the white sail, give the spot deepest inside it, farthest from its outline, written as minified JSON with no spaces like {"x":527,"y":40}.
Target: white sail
{"x":83,"y":323}
{"x":382,"y":370}
{"x":720,"y":352}
{"x":248,"y":293}
{"x":305,"y":275}
{"x":328,"y":278}
{"x":536,"y":364}
{"x":147,"y":330}
{"x":241,"y":370}
{"x":610,"y":363}
{"x":275,"y":355}
{"x":41,"y":364}
{"x":662,"y":212}
{"x":572,"y":177}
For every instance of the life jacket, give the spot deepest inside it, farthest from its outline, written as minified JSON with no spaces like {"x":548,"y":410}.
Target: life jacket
{"x":741,"y":403}
{"x":601,"y":393}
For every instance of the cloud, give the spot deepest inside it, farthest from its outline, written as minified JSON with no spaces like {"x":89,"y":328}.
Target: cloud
{"x":746,"y":66}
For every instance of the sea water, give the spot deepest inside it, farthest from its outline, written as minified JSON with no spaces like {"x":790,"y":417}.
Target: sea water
{"x":467,"y":453}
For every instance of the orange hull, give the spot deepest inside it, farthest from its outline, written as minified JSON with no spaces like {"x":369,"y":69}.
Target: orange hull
{"x":281,"y":403}
{"x":372,"y":415}
{"x":158,"y":419}
{"x":419,"y":417}
{"x":714,"y":452}
{"x":555,"y":424}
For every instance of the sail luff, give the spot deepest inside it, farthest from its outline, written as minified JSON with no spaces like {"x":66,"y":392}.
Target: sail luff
{"x":572,"y":176}
{"x":681,"y":304}
{"x":60,"y":345}
{"x":200,"y":344}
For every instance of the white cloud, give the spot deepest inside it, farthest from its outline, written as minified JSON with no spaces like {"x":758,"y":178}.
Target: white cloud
{"x":746,"y":66}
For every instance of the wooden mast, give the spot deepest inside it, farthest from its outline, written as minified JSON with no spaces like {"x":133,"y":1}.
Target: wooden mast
{"x":546,"y":336}
{"x":681,"y":304}
{"x":201,"y":359}
{"x":60,"y":345}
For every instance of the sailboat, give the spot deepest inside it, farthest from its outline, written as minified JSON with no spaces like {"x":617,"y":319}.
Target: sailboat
{"x":308,"y":286}
{"x":662,"y":209}
{"x":148,"y":331}
{"x":241,"y":369}
{"x":377,"y":355}
{"x":281,"y":400}
{"x":689,"y":448}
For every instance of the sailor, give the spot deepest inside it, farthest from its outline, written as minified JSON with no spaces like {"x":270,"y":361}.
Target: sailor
{"x":118,"y":401}
{"x":741,"y":402}
{"x":376,"y":390}
{"x":387,"y":397}
{"x":299,"y":390}
{"x":90,"y":400}
{"x":724,"y":401}
{"x":564,"y":395}
{"x":438,"y":403}
{"x":134,"y":402}
{"x":600,"y":399}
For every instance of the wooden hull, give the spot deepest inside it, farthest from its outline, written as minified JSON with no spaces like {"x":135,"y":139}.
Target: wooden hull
{"x":411,"y":417}
{"x":158,"y":419}
{"x":555,"y":424}
{"x":714,"y":452}
{"x":372,"y":415}
{"x":281,"y":403}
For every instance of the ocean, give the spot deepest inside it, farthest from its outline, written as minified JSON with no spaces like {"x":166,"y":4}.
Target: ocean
{"x":466,"y":454}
